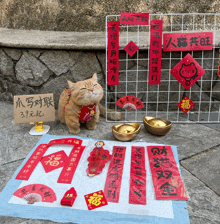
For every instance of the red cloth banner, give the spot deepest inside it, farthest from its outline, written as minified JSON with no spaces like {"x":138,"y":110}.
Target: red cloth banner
{"x":137,"y":192}
{"x":114,"y":176}
{"x":66,"y":141}
{"x":165,"y":174}
{"x":187,"y":41}
{"x":113,"y":53}
{"x":69,"y":169}
{"x":134,"y":18}
{"x":32,"y":162}
{"x":156,"y":28}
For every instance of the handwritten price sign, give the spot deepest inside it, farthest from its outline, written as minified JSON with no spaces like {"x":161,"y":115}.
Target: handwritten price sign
{"x":34,"y":108}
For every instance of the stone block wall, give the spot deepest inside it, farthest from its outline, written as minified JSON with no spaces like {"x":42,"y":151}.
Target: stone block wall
{"x":31,"y":71}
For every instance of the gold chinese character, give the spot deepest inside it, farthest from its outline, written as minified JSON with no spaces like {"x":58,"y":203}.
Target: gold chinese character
{"x":74,"y":155}
{"x":69,"y":168}
{"x":26,"y":171}
{"x":38,"y":153}
{"x":77,"y":151}
{"x":29,"y":166}
{"x":95,"y":199}
{"x":32,"y":161}
{"x":185,"y":104}
{"x":35,"y":157}
{"x":73,"y":159}
{"x":69,"y":141}
{"x":51,"y":162}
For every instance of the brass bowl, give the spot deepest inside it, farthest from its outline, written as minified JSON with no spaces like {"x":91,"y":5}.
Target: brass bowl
{"x":157,"y":126}
{"x":126,"y":132}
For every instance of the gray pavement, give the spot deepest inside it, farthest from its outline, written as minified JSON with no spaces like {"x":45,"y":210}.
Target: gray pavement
{"x":198,"y":150}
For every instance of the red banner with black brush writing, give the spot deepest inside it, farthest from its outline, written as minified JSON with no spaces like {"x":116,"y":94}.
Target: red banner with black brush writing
{"x":156,"y":28}
{"x":113,"y":53}
{"x":114,"y":176}
{"x":166,"y":178}
{"x":130,"y":18}
{"x":32,"y":162}
{"x":69,"y":169}
{"x":137,"y":192}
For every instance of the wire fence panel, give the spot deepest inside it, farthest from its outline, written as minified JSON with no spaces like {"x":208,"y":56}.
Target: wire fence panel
{"x":161,"y":100}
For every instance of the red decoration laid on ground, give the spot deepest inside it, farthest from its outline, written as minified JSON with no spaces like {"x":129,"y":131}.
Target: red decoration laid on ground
{"x":113,"y":53}
{"x":69,"y":197}
{"x":156,"y":28}
{"x":54,"y":161}
{"x":186,"y":104}
{"x":131,"y":48}
{"x":32,"y":162}
{"x":114,"y":176}
{"x":187,"y":71}
{"x":36,"y":192}
{"x":97,"y":159}
{"x":187,"y":41}
{"x":66,"y":141}
{"x":137,"y":192}
{"x":129,"y":103}
{"x":134,"y":18}
{"x":69,"y":169}
{"x":95,"y":200}
{"x":166,"y":178}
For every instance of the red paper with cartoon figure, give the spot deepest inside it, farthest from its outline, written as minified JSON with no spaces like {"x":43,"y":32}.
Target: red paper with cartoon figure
{"x":97,"y":159}
{"x":95,"y":200}
{"x":69,"y":197}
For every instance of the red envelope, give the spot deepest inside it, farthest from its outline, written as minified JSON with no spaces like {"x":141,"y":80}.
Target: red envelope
{"x":95,"y":200}
{"x":54,"y":161}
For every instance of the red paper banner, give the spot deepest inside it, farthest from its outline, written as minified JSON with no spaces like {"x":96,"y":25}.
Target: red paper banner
{"x":32,"y":162}
{"x":187,"y":41}
{"x":165,"y":174}
{"x":113,"y":53}
{"x":137,"y":192}
{"x":66,"y":141}
{"x":114,"y":176}
{"x":134,"y":18}
{"x":156,"y":28}
{"x":69,"y":169}
{"x":54,"y":161}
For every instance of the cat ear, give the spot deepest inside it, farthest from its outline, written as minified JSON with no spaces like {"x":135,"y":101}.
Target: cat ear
{"x":95,"y":77}
{"x":71,"y":84}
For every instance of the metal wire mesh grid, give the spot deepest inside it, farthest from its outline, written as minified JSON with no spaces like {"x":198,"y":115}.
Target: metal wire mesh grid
{"x":161,"y":100}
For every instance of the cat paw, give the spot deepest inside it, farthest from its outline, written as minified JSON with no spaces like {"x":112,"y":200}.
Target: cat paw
{"x":91,"y":127}
{"x":74,"y":131}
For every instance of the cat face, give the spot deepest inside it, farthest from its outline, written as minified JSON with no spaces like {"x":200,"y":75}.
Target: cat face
{"x":188,"y":71}
{"x":86,"y":92}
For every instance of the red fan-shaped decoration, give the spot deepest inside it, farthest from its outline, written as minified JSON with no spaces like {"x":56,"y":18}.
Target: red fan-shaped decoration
{"x":130,"y":103}
{"x":36,"y":192}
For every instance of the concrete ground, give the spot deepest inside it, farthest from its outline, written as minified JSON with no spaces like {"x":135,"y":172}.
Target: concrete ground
{"x":198,"y":150}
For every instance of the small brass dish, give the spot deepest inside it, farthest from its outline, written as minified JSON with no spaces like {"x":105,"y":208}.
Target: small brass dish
{"x":157,"y":126}
{"x":126,"y":132}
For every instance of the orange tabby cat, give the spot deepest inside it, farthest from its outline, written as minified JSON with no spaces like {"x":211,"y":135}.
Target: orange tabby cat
{"x":80,"y":103}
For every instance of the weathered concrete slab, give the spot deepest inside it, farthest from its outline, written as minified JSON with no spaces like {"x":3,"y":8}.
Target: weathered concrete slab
{"x":203,"y":205}
{"x":206,"y":167}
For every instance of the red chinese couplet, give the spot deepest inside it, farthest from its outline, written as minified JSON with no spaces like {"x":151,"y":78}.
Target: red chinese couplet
{"x":69,"y":169}
{"x":114,"y":176}
{"x":137,"y":192}
{"x":156,"y":28}
{"x":113,"y":53}
{"x":66,"y":141}
{"x":187,"y":41}
{"x":32,"y":162}
{"x":134,"y":18}
{"x":165,"y":174}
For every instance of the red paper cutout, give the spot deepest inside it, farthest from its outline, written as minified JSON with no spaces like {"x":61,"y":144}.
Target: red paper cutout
{"x":54,"y":161}
{"x":113,"y":53}
{"x":69,"y":197}
{"x":45,"y":192}
{"x":134,"y":18}
{"x":69,"y":169}
{"x":95,"y":200}
{"x":165,"y":174}
{"x":66,"y":141}
{"x":97,"y":159}
{"x":129,"y":103}
{"x":155,"y":51}
{"x":137,"y":191}
{"x":114,"y":176}
{"x":187,"y":71}
{"x":187,"y":41}
{"x":32,"y":162}
{"x":131,"y":48}
{"x":186,"y":104}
